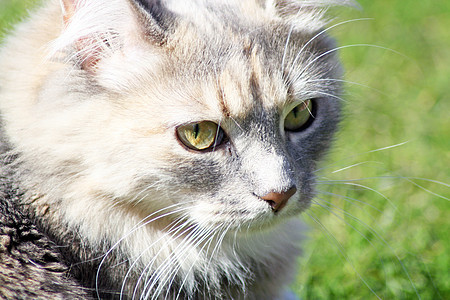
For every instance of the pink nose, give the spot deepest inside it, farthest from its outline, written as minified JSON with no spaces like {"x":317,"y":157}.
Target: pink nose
{"x":279,"y":200}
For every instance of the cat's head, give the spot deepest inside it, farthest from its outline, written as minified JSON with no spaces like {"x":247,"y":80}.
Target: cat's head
{"x":214,"y":113}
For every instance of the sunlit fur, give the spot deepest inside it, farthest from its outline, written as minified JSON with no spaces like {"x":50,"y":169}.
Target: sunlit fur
{"x":90,"y":106}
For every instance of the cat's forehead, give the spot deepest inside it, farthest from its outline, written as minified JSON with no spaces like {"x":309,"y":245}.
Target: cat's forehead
{"x":233,"y":87}
{"x":248,"y":83}
{"x":221,"y":64}
{"x":235,"y":75}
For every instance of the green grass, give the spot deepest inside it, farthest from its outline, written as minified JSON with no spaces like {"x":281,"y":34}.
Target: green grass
{"x":387,"y":232}
{"x":392,"y":240}
{"x":12,"y":11}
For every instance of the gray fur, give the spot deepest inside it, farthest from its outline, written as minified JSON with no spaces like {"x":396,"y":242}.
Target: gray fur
{"x":31,"y":266}
{"x":90,"y":149}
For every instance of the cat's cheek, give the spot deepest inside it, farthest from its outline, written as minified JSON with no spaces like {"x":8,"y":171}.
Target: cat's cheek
{"x":232,"y":212}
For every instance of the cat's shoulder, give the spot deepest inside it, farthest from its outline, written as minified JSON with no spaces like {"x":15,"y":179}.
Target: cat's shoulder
{"x":30,"y":265}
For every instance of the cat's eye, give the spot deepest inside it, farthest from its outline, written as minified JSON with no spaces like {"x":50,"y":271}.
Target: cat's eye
{"x":200,"y":136}
{"x":299,"y":117}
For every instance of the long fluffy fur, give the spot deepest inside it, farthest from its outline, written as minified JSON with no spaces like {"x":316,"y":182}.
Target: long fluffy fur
{"x":89,"y":108}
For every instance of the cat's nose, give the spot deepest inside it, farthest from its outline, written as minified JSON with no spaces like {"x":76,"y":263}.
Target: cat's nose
{"x":279,"y":200}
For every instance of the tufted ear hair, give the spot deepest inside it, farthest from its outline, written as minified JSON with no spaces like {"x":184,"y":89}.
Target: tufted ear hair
{"x":313,"y":3}
{"x":312,"y":11}
{"x":156,"y":20}
{"x":94,"y":30}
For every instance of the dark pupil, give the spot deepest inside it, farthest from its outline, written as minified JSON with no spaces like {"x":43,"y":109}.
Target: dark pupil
{"x":196,"y":130}
{"x":295,"y":111}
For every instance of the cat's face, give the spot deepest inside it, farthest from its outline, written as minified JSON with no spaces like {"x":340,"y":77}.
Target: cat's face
{"x":206,"y":123}
{"x":215,"y":131}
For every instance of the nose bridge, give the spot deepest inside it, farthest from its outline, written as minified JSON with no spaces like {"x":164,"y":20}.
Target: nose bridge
{"x":269,"y":168}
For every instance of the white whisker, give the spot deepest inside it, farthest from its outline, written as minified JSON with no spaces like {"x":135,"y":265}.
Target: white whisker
{"x":426,"y":190}
{"x":154,"y":279}
{"x":354,"y":165}
{"x":170,"y":229}
{"x":286,"y":46}
{"x":210,"y":234}
{"x":388,"y":147}
{"x":350,"y":200}
{"x":365,"y":187}
{"x":171,"y":270}
{"x":348,"y":82}
{"x":429,"y":180}
{"x":340,"y":48}
{"x":175,"y":232}
{"x":321,"y":33}
{"x":139,"y":225}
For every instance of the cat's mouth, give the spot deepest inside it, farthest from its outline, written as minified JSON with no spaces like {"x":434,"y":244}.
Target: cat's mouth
{"x":250,"y":213}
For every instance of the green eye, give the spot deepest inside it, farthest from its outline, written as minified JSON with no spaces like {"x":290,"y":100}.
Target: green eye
{"x":298,"y":116}
{"x":200,"y":136}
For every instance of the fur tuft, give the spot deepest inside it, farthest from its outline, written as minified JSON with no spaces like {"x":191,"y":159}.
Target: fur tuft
{"x":93,"y":30}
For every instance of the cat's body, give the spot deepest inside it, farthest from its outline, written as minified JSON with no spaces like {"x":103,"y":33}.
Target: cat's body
{"x":92,"y":98}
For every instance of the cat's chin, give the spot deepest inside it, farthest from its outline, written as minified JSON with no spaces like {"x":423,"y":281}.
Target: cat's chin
{"x":268,"y":222}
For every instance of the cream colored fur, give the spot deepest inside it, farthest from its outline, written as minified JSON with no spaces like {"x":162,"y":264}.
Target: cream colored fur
{"x":92,"y":144}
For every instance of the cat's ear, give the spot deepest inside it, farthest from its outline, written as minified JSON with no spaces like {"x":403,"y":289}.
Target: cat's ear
{"x":68,"y":8}
{"x":94,"y":30}
{"x":305,"y":14}
{"x":154,"y":18}
{"x":294,"y":5}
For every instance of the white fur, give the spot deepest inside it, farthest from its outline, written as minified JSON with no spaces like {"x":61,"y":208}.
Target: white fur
{"x":96,"y":142}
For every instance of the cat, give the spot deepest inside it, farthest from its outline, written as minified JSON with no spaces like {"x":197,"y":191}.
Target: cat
{"x":162,"y":149}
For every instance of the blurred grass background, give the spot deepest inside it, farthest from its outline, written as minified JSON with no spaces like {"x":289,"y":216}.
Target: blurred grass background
{"x":385,"y":232}
{"x":12,"y":11}
{"x":380,"y":225}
